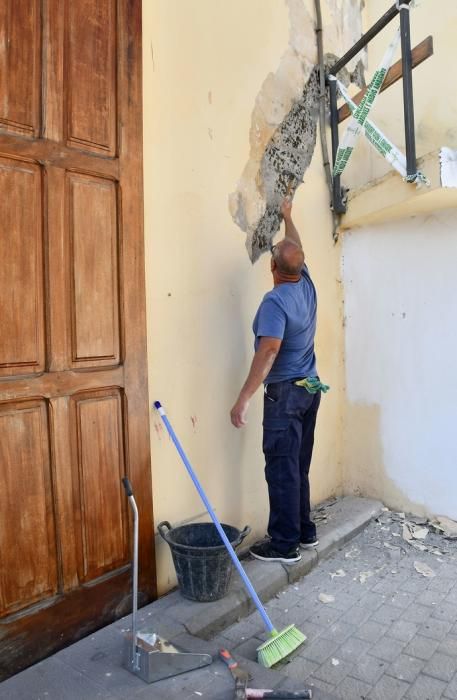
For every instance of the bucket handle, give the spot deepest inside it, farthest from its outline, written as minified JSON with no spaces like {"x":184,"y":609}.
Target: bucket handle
{"x":164,"y":527}
{"x":162,"y":531}
{"x":244,"y":533}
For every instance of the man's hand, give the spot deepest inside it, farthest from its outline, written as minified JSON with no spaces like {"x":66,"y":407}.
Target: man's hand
{"x":261,"y":365}
{"x":286,"y":208}
{"x":239,"y":411}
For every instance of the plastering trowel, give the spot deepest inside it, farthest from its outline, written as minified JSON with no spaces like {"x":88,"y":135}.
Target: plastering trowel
{"x":145,"y":653}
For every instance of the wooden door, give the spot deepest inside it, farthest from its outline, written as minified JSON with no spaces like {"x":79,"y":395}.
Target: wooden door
{"x":73,"y":385}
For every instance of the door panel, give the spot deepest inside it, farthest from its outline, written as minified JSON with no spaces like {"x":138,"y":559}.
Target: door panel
{"x":26,"y":506}
{"x":94,"y":262}
{"x":21,"y":273}
{"x":91,"y":75}
{"x":20,"y":66}
{"x":73,"y":382}
{"x":100,"y":450}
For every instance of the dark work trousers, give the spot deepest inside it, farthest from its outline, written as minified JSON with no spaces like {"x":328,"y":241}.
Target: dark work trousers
{"x":289,"y":418}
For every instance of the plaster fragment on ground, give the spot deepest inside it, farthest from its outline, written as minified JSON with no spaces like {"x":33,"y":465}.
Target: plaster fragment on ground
{"x":365,"y":575}
{"x":447,"y":526}
{"x":424,"y":569}
{"x":353,"y":553}
{"x":419,"y":546}
{"x":335,"y":662}
{"x":326,"y":598}
{"x":338,"y":574}
{"x":413,"y":532}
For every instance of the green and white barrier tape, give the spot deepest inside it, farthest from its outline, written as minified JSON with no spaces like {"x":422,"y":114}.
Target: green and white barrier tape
{"x":381,"y":143}
{"x":361,"y":113}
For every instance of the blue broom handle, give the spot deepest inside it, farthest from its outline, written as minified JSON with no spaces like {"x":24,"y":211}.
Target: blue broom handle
{"x":269,"y":625}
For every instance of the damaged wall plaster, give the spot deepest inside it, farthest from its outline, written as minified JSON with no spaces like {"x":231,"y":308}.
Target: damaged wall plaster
{"x":284,"y":120}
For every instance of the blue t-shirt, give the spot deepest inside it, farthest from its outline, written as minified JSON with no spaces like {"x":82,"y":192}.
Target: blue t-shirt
{"x":289,"y":312}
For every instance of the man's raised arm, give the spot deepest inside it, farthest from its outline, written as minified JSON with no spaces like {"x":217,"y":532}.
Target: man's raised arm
{"x":291,"y":232}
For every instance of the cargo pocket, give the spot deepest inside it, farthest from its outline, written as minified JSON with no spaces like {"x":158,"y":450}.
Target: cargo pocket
{"x":275,"y":436}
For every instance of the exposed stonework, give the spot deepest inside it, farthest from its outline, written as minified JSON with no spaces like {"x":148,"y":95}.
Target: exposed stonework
{"x":284,"y":162}
{"x":284,"y":120}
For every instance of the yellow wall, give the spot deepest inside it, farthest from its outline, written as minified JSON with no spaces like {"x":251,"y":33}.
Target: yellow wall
{"x":204,"y":64}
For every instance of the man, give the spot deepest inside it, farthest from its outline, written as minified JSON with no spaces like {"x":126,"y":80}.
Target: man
{"x":284,"y":329}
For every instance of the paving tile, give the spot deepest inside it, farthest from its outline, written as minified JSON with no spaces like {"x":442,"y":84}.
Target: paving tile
{"x":415,"y":585}
{"x":339,"y":631}
{"x":353,"y":688}
{"x":439,"y":584}
{"x":343,"y":601}
{"x":389,"y":688}
{"x":435,"y":629}
{"x":402,"y":599}
{"x":421,"y":647}
{"x":300,"y":668}
{"x":448,"y":646}
{"x":325,"y":615}
{"x":317,"y":685}
{"x":319,"y":650}
{"x":403,"y":631}
{"x":386,"y":614}
{"x":387,"y":586}
{"x":369,"y":669}
{"x":405,"y":668}
{"x":387,"y":649}
{"x":311,"y":630}
{"x":451,"y":597}
{"x":334,"y":670}
{"x":372,"y":600}
{"x":426,"y":688}
{"x":247,"y":649}
{"x":243,"y":630}
{"x":357,"y":615}
{"x":451,"y":690}
{"x":446,"y":611}
{"x":431,"y":597}
{"x":370,"y":631}
{"x":353,"y":648}
{"x":417,"y":613}
{"x":441,"y":666}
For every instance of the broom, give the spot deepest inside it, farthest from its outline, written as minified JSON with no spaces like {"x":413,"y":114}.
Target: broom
{"x":280,"y":644}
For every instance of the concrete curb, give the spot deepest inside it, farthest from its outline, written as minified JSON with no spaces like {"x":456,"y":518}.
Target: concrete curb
{"x":346,"y":517}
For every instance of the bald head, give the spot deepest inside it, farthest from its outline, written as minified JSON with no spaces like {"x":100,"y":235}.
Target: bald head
{"x":288,"y":257}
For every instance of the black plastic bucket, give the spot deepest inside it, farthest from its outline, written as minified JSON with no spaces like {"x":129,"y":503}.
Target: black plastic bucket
{"x":203,"y":565}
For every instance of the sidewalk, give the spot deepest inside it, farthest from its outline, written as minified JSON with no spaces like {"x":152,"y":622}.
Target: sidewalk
{"x":92,"y":668}
{"x":380,"y":616}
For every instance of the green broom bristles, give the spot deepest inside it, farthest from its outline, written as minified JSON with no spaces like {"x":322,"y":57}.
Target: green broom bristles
{"x":279,"y":646}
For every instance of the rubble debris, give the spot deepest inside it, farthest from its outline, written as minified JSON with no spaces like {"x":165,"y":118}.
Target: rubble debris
{"x":365,"y":575}
{"x":353,"y":553}
{"x":338,"y":574}
{"x":326,"y":598}
{"x":446,"y":526}
{"x":424,"y":569}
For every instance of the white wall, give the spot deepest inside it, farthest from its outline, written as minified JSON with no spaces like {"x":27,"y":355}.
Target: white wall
{"x":401,"y":362}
